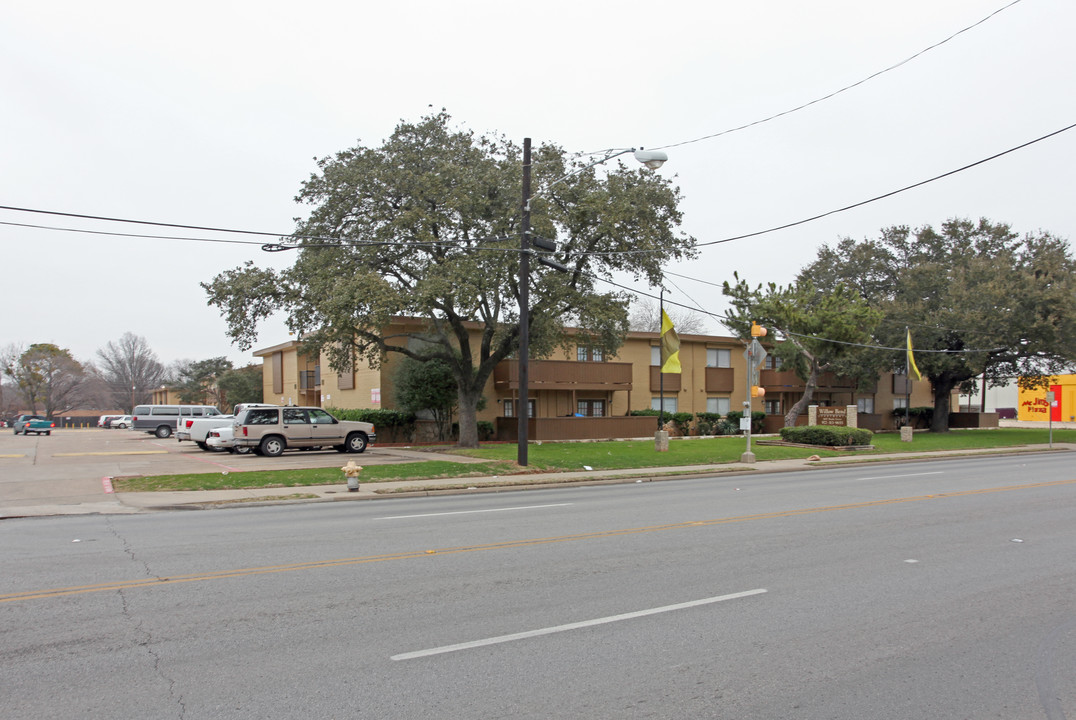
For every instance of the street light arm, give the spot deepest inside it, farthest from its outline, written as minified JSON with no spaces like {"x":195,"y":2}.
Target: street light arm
{"x":653,"y":159}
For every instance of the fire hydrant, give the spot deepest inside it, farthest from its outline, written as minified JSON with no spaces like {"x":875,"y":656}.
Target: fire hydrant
{"x":351,"y":470}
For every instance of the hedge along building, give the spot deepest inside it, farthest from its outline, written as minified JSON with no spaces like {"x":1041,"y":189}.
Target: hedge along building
{"x":1034,"y":406}
{"x":579,"y":393}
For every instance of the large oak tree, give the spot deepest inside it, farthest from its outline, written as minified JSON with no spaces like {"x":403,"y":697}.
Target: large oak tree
{"x":977,"y":297}
{"x":404,"y":229}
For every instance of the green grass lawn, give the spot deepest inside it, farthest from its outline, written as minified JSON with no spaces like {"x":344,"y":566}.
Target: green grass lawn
{"x":607,"y":455}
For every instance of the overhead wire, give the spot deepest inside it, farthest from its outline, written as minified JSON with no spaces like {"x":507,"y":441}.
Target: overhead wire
{"x":837,"y":92}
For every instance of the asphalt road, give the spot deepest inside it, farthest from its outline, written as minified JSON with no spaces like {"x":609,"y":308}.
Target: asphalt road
{"x":927,"y":590}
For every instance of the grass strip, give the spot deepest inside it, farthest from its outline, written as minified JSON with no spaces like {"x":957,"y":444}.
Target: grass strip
{"x":600,"y":455}
{"x":303,"y":477}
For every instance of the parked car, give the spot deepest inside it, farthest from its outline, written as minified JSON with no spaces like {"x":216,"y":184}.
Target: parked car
{"x":196,"y":429}
{"x":161,"y":420}
{"x":221,"y":438}
{"x":35,"y":424}
{"x":122,"y":422}
{"x":105,"y":421}
{"x":270,"y":431}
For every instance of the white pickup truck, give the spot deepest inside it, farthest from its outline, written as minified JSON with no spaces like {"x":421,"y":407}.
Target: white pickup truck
{"x":196,"y":429}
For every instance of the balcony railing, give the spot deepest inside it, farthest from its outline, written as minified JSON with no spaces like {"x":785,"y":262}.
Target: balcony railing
{"x":564,"y":375}
{"x":669,"y":383}
{"x":788,"y":381}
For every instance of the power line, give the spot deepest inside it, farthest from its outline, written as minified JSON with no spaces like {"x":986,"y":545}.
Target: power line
{"x":888,"y":194}
{"x":843,"y":89}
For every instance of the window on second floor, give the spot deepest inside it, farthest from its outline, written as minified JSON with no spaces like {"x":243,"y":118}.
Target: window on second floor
{"x":588,"y":354}
{"x":718,"y":357}
{"x":865,"y":405}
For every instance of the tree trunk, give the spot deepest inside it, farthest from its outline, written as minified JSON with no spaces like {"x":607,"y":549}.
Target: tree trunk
{"x":805,"y":399}
{"x":468,"y":404}
{"x":942,"y":392}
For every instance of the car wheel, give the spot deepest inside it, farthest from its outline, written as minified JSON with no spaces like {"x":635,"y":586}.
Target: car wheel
{"x":163,"y":431}
{"x":49,"y":432}
{"x":203,"y":446}
{"x":242,"y":450}
{"x":356,"y":442}
{"x":272,"y":446}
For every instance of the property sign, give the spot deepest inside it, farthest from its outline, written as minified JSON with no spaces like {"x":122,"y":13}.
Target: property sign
{"x":833,"y":416}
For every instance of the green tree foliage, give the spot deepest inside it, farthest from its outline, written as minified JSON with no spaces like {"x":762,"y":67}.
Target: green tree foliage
{"x":46,"y":376}
{"x":427,"y":386}
{"x":976,"y":296}
{"x":404,"y":230}
{"x":822,"y":330}
{"x":198,"y":380}
{"x":240,"y":385}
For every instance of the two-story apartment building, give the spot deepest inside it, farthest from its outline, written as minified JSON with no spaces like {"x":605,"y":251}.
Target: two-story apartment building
{"x":581,"y":393}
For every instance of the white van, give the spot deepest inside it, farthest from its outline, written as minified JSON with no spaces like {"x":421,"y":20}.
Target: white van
{"x":161,"y":420}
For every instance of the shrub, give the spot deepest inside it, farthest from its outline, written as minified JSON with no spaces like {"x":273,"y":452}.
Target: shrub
{"x":829,"y":435}
{"x":920,"y":417}
{"x":391,"y":425}
{"x":707,"y":423}
{"x":485,"y":430}
{"x":757,"y":419}
{"x":681,"y":421}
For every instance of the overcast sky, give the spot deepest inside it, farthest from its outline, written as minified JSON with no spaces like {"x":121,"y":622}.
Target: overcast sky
{"x":211,"y":114}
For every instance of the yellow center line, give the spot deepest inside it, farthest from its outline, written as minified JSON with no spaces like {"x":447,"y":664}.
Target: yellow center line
{"x":116,"y":452}
{"x":505,"y":545}
{"x":13,"y":456}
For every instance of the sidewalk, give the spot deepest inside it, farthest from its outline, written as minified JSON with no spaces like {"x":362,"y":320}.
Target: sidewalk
{"x":206,"y":499}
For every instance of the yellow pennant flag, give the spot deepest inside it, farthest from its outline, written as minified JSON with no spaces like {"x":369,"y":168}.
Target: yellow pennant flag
{"x":670,"y":345}
{"x":912,"y":369}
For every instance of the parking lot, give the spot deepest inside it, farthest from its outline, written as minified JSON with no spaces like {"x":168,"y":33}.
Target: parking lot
{"x":73,"y":466}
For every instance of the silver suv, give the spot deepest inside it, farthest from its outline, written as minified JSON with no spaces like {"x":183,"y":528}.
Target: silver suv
{"x":272,"y":430}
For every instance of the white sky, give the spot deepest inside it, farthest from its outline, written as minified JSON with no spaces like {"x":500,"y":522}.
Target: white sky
{"x":211,"y":114}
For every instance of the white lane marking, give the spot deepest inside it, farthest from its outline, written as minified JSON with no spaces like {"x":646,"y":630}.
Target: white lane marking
{"x":891,"y":477}
{"x":471,"y":512}
{"x":572,"y":626}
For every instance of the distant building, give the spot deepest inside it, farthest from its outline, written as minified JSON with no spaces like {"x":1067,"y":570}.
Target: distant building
{"x":1034,"y":404}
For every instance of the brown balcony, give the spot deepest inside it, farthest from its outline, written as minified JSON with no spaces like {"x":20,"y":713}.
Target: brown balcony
{"x":669,"y":382}
{"x":788,"y":381}
{"x":720,"y":380}
{"x":564,"y":375}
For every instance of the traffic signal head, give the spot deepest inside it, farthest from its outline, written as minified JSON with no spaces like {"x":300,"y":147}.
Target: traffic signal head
{"x":757,"y":391}
{"x":757,"y":330}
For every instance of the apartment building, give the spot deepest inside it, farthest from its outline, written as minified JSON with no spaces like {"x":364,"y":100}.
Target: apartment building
{"x":580,"y":393}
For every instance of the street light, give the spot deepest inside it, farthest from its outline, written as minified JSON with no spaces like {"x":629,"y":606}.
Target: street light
{"x":652,"y":159}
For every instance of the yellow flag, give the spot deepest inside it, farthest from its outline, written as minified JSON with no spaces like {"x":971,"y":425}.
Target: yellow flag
{"x":912,"y":369}
{"x":670,"y":345}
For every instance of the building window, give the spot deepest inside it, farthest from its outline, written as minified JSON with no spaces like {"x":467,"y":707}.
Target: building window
{"x":899,"y":403}
{"x":718,"y":405}
{"x":590,"y":408}
{"x":770,"y":363}
{"x":719,"y":358}
{"x":670,"y":404}
{"x":588,"y":354}
{"x":865,"y":405}
{"x":510,"y":408}
{"x":655,"y":355}
{"x":773,"y":407}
